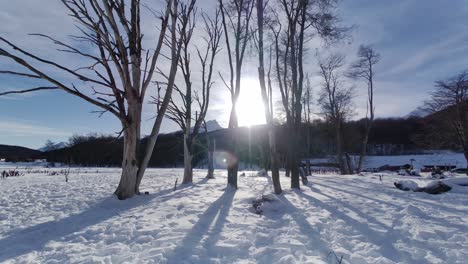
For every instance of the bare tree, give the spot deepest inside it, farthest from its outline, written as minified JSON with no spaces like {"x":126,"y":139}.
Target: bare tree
{"x":236,"y":18}
{"x":363,"y":68}
{"x":267,"y":96}
{"x":183,"y":113}
{"x":304,"y":19}
{"x":120,"y":70}
{"x":336,"y":103}
{"x":449,"y":103}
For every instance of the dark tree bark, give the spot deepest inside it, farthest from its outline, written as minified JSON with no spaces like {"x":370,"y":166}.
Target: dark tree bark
{"x":211,"y":147}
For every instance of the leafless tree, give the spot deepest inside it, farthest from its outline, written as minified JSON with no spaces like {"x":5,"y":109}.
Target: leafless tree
{"x":120,"y":71}
{"x":183,"y":113}
{"x":363,"y":69}
{"x":295,"y":23}
{"x":267,"y":95}
{"x":449,"y":103}
{"x":236,"y":18}
{"x":336,"y":103}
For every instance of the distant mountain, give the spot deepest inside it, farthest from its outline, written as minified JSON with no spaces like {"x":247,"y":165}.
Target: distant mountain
{"x":17,"y":153}
{"x":418,"y":112}
{"x":59,"y":145}
{"x":212,"y":125}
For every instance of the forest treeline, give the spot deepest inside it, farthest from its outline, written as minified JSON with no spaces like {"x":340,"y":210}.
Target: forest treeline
{"x":390,"y":136}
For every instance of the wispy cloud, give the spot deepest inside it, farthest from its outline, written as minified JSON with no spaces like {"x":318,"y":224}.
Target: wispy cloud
{"x":22,"y":129}
{"x":429,"y":54}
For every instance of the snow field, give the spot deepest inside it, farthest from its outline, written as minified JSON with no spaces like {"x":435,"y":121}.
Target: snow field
{"x":45,"y":220}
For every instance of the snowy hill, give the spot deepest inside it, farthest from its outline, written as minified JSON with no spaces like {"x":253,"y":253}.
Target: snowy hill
{"x":59,"y":145}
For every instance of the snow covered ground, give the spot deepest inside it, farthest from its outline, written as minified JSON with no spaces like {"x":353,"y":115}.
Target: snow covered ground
{"x":45,"y":220}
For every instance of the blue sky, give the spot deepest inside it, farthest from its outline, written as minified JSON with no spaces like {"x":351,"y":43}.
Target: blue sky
{"x":419,"y":41}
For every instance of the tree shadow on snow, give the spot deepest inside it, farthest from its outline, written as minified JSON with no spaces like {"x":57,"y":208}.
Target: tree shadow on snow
{"x":351,"y":208}
{"x":314,"y":240}
{"x":34,"y":238}
{"x":218,"y":210}
{"x":383,"y":240}
{"x":365,"y":197}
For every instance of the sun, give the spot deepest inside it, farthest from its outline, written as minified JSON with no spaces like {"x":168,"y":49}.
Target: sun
{"x":249,"y":107}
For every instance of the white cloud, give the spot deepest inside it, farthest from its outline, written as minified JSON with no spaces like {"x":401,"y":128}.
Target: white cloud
{"x":26,"y":129}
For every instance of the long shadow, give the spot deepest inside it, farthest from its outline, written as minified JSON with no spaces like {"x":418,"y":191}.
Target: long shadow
{"x":374,"y":237}
{"x":406,"y":198}
{"x":34,"y":238}
{"x":390,"y":204}
{"x":360,"y":195}
{"x":315,"y":242}
{"x":353,"y":209}
{"x":219,"y":210}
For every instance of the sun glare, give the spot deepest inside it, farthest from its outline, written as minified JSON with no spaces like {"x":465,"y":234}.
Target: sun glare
{"x":249,"y":105}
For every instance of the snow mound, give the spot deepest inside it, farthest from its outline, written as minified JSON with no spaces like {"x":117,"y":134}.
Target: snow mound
{"x":407,"y":185}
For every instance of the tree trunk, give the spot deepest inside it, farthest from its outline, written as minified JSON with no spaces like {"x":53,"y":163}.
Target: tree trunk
{"x":349,"y":164}
{"x":233,"y":165}
{"x":364,"y":148}
{"x":233,"y":168}
{"x":211,"y":148}
{"x":232,"y":159}
{"x":188,"y":172}
{"x":128,"y":180}
{"x":466,"y":158}
{"x":274,"y":161}
{"x":293,"y":159}
{"x":363,"y":154}
{"x":339,"y":150}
